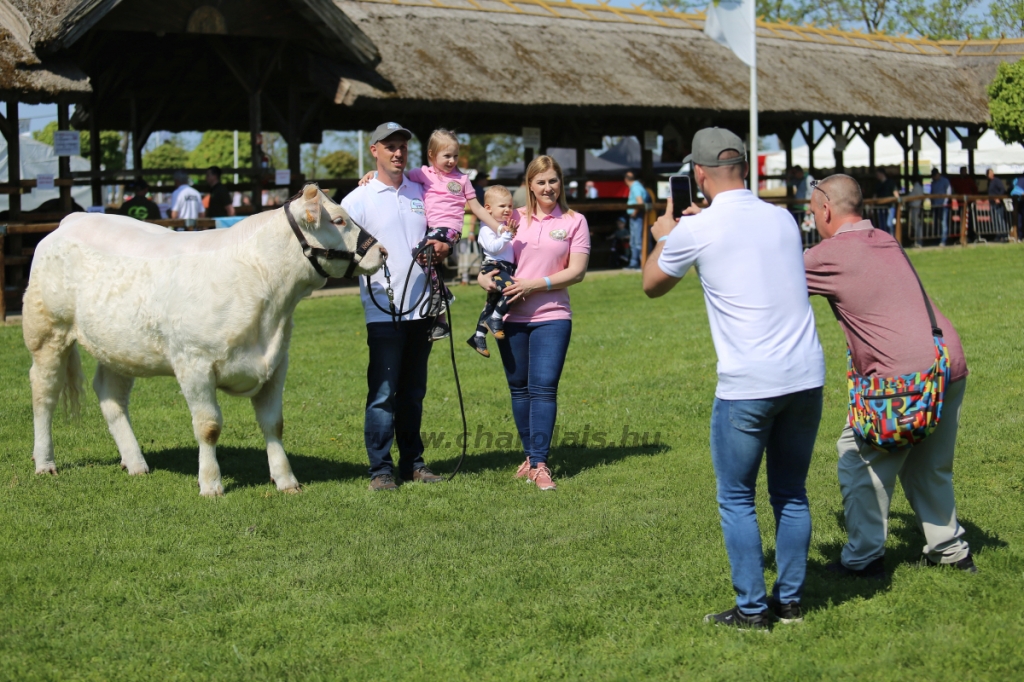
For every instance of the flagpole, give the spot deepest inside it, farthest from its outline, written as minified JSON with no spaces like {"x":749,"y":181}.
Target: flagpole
{"x":753,"y":100}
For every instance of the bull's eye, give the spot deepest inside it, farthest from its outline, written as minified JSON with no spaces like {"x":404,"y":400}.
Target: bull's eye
{"x":340,"y":222}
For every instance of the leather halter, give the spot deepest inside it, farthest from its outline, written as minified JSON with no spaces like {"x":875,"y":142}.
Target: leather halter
{"x":364,"y":242}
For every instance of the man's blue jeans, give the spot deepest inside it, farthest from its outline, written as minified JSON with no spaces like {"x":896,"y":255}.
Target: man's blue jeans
{"x":533,"y":354}
{"x":636,"y":239}
{"x":396,"y":379}
{"x":942,"y":218}
{"x":741,"y":432}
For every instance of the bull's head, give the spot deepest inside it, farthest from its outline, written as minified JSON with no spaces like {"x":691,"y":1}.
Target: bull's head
{"x":327,"y":225}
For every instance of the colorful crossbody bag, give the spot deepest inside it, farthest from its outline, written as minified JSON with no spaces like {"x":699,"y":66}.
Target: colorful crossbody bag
{"x":893,"y":413}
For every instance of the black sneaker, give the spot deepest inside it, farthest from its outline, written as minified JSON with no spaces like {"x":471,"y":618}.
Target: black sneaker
{"x":479,"y":344}
{"x":966,"y":564}
{"x":383,"y":482}
{"x":735,"y":618}
{"x":439,"y":331}
{"x":496,"y":325}
{"x":786,"y":613}
{"x":875,"y":570}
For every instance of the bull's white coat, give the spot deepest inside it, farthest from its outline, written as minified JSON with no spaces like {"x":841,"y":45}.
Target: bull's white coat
{"x":213,"y":309}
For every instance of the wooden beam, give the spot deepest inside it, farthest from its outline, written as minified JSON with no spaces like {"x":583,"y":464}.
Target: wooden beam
{"x":76,"y":23}
{"x":13,"y":157}
{"x":95,"y":153}
{"x":340,"y":31}
{"x":64,"y":162}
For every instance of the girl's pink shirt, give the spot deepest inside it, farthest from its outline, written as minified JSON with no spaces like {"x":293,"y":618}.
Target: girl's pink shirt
{"x":445,"y":196}
{"x":542,"y":249}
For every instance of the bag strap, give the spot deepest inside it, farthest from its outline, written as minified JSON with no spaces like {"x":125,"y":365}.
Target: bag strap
{"x":936,"y":330}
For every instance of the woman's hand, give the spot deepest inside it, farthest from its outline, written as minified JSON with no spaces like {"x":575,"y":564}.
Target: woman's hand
{"x":521,"y":288}
{"x":486,"y":280}
{"x":366,"y":178}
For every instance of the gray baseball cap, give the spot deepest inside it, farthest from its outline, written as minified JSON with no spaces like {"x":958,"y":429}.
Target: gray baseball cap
{"x":708,"y":143}
{"x":387,"y":130}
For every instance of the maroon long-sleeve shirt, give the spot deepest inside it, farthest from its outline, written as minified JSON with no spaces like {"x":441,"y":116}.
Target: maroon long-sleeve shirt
{"x":873,"y":291}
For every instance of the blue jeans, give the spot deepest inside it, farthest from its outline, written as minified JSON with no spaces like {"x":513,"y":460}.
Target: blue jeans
{"x":396,"y":380}
{"x":741,"y":432}
{"x":533,"y":354}
{"x":636,"y":240}
{"x":942,"y":218}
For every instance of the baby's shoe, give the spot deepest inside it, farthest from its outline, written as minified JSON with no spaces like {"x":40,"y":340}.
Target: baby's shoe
{"x":497,"y":325}
{"x":478,"y":342}
{"x":440,"y":330}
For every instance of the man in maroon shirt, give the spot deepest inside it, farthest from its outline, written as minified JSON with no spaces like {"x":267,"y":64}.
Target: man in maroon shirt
{"x":872,"y":289}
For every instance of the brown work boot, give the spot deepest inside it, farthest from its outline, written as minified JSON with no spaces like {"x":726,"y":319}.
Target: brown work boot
{"x":423,"y":475}
{"x":383,"y":482}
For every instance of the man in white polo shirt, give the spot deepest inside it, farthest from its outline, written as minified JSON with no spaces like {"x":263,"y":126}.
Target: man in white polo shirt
{"x":390,"y":207}
{"x":748,"y":255}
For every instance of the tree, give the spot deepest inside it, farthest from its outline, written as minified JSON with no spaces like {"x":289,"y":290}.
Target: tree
{"x":1007,"y":17}
{"x":170,"y":154}
{"x":111,"y":153}
{"x":340,"y":164}
{"x":483,"y":152}
{"x":1006,"y":102}
{"x":217,"y":148}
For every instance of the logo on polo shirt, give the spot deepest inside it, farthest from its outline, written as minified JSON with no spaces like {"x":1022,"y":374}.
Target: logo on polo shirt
{"x":454,"y":187}
{"x":557,"y":235}
{"x":417,"y":206}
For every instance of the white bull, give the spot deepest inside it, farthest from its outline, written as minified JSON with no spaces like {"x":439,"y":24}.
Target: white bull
{"x":213,"y":309}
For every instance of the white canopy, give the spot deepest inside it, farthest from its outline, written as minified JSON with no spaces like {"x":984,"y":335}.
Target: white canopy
{"x":991,"y":153}
{"x":37,"y":158}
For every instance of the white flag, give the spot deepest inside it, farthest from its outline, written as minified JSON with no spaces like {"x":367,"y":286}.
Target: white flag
{"x":729,"y":23}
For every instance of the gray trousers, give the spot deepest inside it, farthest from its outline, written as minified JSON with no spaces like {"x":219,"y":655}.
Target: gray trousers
{"x":867,"y":478}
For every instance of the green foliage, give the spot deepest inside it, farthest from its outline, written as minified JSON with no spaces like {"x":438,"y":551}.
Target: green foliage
{"x":340,"y":164}
{"x":486,"y":151}
{"x":170,"y":154}
{"x":1007,"y":17}
{"x":109,"y":576}
{"x":217,"y":148}
{"x":1006,"y":102}
{"x":111,"y":154}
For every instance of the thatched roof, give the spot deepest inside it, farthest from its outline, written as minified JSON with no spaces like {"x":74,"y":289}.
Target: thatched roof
{"x":521,"y":53}
{"x":22,"y":70}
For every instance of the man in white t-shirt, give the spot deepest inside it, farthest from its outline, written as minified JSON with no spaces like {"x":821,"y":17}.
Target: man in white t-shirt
{"x":186,"y":202}
{"x":748,"y":256}
{"x":390,"y":207}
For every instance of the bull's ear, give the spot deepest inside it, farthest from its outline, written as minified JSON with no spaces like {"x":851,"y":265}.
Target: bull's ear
{"x":311,"y":204}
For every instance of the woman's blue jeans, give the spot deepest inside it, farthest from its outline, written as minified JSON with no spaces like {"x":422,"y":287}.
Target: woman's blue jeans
{"x":741,"y":432}
{"x":533,"y":354}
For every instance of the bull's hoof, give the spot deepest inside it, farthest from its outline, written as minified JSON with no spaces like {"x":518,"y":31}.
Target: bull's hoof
{"x":293,"y":491}
{"x":135,"y":469}
{"x":211,"y":491}
{"x":46,"y":468}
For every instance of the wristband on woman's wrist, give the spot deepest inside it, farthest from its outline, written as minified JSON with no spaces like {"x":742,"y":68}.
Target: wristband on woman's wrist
{"x":547,"y":280}
{"x":661,"y":239}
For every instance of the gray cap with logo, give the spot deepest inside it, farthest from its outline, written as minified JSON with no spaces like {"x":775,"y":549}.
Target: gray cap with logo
{"x":385,"y":130}
{"x":708,"y":143}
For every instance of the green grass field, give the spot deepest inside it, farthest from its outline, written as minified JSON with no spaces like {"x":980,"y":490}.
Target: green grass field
{"x":107,"y":576}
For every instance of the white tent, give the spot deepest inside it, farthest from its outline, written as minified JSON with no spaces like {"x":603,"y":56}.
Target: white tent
{"x":991,"y":153}
{"x":37,"y":158}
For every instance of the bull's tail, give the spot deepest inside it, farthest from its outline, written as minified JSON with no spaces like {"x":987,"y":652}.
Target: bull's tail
{"x":74,"y":380}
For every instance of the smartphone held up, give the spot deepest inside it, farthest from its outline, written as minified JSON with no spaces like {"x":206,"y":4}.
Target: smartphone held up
{"x":682,"y":194}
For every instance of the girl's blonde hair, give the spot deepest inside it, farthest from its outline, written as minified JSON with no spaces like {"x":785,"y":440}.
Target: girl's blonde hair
{"x":440,"y":139}
{"x":543,"y":164}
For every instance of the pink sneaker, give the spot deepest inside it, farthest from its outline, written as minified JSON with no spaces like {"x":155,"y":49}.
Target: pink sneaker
{"x":542,"y":477}
{"x":524,"y":469}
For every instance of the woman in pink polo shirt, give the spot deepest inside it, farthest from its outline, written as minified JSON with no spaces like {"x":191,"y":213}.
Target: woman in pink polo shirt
{"x":552,"y":248}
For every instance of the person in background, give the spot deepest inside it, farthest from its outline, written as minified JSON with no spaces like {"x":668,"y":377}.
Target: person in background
{"x":574,"y":190}
{"x":964,"y":183}
{"x":186,"y":202}
{"x":874,"y":293}
{"x":996,"y":186}
{"x":480,"y":182}
{"x":940,"y":206}
{"x":886,"y":188}
{"x":520,"y":195}
{"x":916,"y":224}
{"x":636,"y":206}
{"x":771,"y":369}
{"x":800,"y":183}
{"x":220,"y":204}
{"x":140,"y":206}
{"x":590,"y":189}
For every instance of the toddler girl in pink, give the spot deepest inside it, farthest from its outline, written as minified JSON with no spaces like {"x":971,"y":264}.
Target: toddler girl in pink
{"x":446,"y":193}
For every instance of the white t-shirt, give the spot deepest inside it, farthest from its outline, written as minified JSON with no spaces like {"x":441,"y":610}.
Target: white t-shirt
{"x":749,"y":257}
{"x":398,"y":219}
{"x":496,"y":247}
{"x":187,"y":202}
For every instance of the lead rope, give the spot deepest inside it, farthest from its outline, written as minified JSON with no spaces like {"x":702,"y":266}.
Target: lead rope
{"x":397,"y":313}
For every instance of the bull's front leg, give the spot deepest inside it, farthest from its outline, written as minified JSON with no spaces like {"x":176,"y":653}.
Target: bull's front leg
{"x":200,"y":390}
{"x":270,"y":416}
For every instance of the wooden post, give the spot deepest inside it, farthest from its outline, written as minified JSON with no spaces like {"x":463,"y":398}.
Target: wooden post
{"x":64,"y":162}
{"x":136,"y":135}
{"x":13,"y":159}
{"x":95,"y":153}
{"x":964,"y":213}
{"x":942,"y":148}
{"x":788,"y":146}
{"x":581,"y":164}
{"x":647,"y":168}
{"x":294,"y":143}
{"x":899,"y":222}
{"x":255,"y":126}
